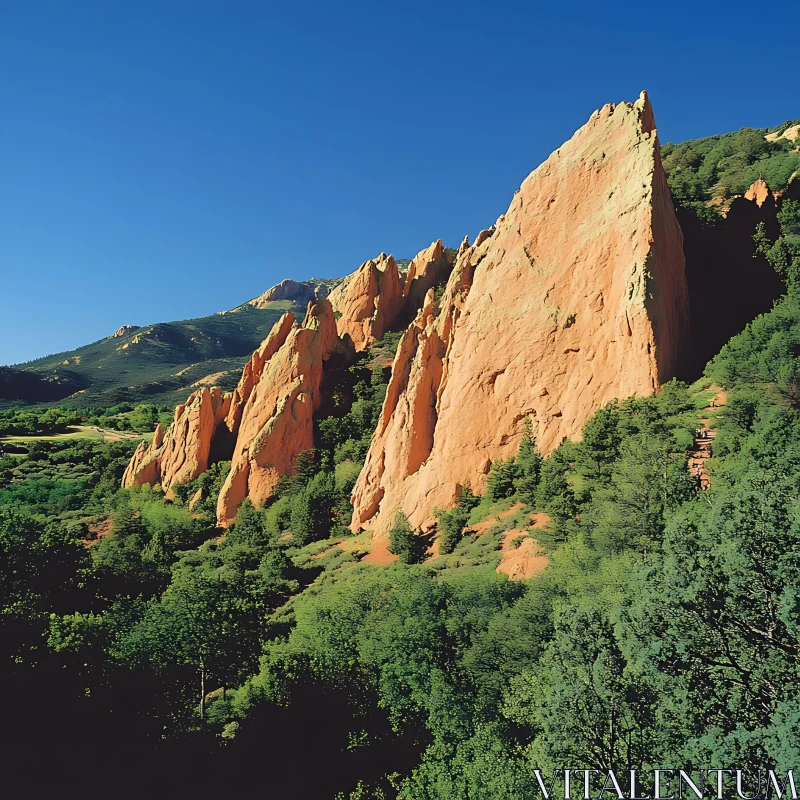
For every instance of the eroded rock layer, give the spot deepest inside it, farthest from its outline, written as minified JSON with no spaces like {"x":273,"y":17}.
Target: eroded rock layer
{"x":577,"y":296}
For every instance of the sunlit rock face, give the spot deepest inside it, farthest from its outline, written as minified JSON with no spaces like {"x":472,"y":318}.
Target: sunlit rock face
{"x":576,"y":296}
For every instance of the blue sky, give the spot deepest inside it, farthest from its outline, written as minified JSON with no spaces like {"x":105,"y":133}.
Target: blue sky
{"x":164,"y":160}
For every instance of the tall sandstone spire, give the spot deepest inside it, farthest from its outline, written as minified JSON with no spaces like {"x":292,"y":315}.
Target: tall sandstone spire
{"x":276,"y":422}
{"x":575,"y":297}
{"x":368,"y":301}
{"x":263,"y":425}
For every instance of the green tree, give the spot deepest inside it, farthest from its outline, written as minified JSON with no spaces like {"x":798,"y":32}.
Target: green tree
{"x":600,"y":443}
{"x":408,"y":546}
{"x":529,"y":461}
{"x":500,"y":482}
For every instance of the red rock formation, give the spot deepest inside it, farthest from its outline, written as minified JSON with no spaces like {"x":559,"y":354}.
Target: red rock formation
{"x":760,"y":193}
{"x":368,"y":301}
{"x":251,"y":373}
{"x":182,"y":453}
{"x":427,"y":268}
{"x":576,"y":297}
{"x":266,"y":422}
{"x":276,"y":418}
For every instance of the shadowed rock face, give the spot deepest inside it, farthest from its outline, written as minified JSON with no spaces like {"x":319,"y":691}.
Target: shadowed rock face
{"x":728,"y":284}
{"x":577,"y":296}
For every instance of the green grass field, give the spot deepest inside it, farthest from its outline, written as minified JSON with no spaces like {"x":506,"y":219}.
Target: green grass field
{"x":79,"y":432}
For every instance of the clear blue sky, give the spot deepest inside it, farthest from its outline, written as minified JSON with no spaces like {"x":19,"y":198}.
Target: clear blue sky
{"x":164,"y":160}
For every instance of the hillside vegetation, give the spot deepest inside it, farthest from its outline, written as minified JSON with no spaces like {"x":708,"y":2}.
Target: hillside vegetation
{"x":157,"y":363}
{"x":662,"y":630}
{"x":729,"y":163}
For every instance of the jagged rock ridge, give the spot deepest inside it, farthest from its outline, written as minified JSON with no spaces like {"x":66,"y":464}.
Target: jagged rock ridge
{"x":577,"y":296}
{"x":275,"y":422}
{"x":368,"y":301}
{"x":274,"y":400}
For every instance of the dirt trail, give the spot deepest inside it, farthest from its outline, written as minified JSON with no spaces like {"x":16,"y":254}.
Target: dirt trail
{"x":704,"y":436}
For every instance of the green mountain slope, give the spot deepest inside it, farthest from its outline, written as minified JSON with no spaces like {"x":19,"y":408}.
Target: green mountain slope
{"x":729,"y":163}
{"x":159,"y":363}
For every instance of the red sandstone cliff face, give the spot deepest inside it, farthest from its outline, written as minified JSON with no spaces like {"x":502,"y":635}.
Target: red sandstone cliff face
{"x":276,"y":420}
{"x":264,"y":423}
{"x":368,"y":301}
{"x":251,"y":374}
{"x":182,"y":453}
{"x":577,"y":296}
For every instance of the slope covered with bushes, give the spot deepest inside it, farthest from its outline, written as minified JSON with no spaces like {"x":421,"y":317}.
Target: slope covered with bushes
{"x":729,"y":163}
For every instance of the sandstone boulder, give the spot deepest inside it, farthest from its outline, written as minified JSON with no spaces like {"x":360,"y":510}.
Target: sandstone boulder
{"x":577,"y":296}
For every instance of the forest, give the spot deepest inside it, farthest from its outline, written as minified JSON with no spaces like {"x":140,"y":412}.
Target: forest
{"x":727,"y":164}
{"x":151,"y":648}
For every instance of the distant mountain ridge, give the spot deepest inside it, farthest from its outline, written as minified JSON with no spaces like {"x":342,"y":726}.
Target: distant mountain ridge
{"x":157,"y":363}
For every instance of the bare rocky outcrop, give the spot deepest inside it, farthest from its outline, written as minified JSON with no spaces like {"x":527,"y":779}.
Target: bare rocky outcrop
{"x":123,"y":330}
{"x":287,"y":289}
{"x":273,"y":413}
{"x":759,"y":193}
{"x":368,"y":301}
{"x":182,"y":452}
{"x":575,"y":297}
{"x":792,"y":133}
